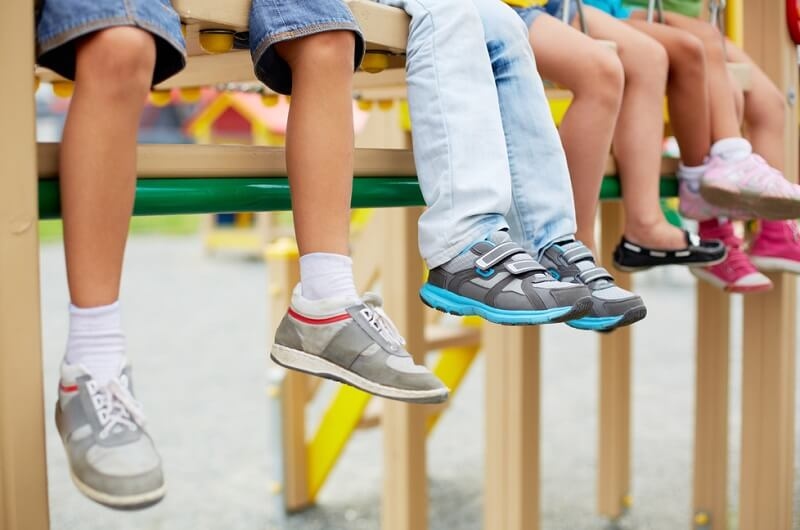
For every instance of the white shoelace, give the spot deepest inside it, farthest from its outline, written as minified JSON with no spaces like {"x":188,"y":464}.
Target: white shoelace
{"x":115,"y":406}
{"x":380,"y":321}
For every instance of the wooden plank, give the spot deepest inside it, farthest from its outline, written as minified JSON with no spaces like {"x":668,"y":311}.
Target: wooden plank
{"x":23,"y":477}
{"x":511,"y":494}
{"x":710,"y":470}
{"x":614,"y":438}
{"x":405,"y":490}
{"x":283,"y":274}
{"x":770,"y":319}
{"x":198,"y":161}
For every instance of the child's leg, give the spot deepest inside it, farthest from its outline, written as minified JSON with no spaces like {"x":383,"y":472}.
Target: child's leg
{"x":594,"y":75}
{"x":98,"y":158}
{"x":639,"y":131}
{"x":687,"y":89}
{"x":723,"y":111}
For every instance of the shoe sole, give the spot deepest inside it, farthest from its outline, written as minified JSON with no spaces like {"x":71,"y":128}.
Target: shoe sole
{"x":455,"y":304}
{"x":603,"y":324}
{"x":316,"y":365}
{"x":767,"y":263}
{"x":625,"y":268}
{"x":772,"y":208}
{"x":720,"y":284}
{"x":139,"y":501}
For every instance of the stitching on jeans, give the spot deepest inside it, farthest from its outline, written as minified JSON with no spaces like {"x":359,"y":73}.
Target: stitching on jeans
{"x":270,"y":40}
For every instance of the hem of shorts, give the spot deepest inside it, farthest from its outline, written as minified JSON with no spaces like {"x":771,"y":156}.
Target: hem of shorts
{"x":271,"y":40}
{"x":66,"y":36}
{"x":443,"y":256}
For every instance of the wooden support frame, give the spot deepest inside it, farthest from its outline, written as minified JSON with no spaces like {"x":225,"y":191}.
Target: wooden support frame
{"x":23,"y":479}
{"x":710,"y":492}
{"x":614,"y":438}
{"x":767,"y":459}
{"x":405,"y":491}
{"x":511,"y":488}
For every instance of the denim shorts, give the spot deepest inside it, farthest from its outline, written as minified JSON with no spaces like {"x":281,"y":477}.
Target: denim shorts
{"x":61,"y":23}
{"x":274,"y":21}
{"x":554,"y":8}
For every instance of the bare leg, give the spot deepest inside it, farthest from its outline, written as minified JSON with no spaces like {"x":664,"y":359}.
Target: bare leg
{"x":98,"y":159}
{"x":687,"y":89}
{"x":319,"y":139}
{"x":723,"y":111}
{"x":639,"y":132}
{"x":764,"y":111}
{"x":594,"y":75}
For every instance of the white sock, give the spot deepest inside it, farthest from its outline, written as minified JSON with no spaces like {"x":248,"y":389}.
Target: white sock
{"x":691,"y":172}
{"x":324,"y":275}
{"x":96,"y":341}
{"x":732,"y":149}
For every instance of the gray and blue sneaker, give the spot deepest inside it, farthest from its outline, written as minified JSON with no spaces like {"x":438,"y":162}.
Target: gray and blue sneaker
{"x":353,"y":341}
{"x":497,"y":280}
{"x":612,"y":306}
{"x":111,"y":456}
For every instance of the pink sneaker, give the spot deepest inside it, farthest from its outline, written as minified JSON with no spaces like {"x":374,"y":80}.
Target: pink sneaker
{"x":693,"y":206}
{"x":736,"y":274}
{"x":777,"y":247}
{"x":750,"y":184}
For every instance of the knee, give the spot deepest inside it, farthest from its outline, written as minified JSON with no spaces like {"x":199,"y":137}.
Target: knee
{"x":329,"y":53}
{"x":688,"y":54}
{"x":604,"y":79}
{"x":647,"y":64}
{"x":120,"y":61}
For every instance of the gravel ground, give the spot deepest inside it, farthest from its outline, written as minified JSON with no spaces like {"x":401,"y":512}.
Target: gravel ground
{"x":196,"y":333}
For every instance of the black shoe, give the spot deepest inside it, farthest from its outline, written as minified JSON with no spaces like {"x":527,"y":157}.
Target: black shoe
{"x":630,"y":257}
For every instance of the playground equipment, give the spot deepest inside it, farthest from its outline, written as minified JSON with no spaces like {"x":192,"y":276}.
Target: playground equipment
{"x":195,"y":179}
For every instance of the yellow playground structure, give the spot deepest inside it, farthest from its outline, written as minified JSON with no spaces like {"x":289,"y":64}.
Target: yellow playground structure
{"x":247,"y":179}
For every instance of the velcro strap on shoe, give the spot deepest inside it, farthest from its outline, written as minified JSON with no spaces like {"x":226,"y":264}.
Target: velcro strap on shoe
{"x":578,"y":253}
{"x":524,"y":266}
{"x":498,"y":254}
{"x":597,"y":273}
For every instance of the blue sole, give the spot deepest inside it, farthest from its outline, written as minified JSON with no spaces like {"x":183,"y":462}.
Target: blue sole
{"x":595,"y":323}
{"x":450,"y":302}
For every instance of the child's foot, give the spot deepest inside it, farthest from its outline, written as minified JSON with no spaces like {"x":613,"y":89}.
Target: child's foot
{"x":736,"y":274}
{"x":631,"y":257}
{"x":111,"y":456}
{"x":612,"y":306}
{"x":777,"y":247}
{"x":353,"y":341}
{"x":497,"y":280}
{"x":693,"y":206}
{"x":751,"y":185}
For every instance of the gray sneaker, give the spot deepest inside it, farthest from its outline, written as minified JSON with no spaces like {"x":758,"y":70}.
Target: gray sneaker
{"x":495,"y":279}
{"x":357,"y":345}
{"x":111,"y":457}
{"x":612,"y":306}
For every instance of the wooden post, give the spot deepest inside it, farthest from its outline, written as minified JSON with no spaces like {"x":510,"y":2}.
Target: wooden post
{"x":23,"y":477}
{"x":614,"y":439}
{"x":511,"y":493}
{"x":766,"y":485}
{"x":710,"y":500}
{"x":284,"y":274}
{"x":405,"y":483}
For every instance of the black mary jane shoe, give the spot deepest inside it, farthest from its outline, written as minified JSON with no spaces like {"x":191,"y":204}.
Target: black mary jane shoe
{"x":630,"y":257}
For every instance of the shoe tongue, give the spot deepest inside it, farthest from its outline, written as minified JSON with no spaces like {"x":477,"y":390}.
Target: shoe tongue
{"x":494,"y":239}
{"x":501,"y":236}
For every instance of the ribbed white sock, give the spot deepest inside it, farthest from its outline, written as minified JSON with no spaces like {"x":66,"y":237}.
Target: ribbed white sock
{"x":324,"y":275}
{"x":96,"y":341}
{"x":691,"y":172}
{"x":732,"y":149}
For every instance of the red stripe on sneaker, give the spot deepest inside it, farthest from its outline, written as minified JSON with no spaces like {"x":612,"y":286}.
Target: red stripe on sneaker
{"x":317,"y":321}
{"x":72,"y":388}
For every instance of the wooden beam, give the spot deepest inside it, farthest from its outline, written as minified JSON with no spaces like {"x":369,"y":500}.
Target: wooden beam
{"x":511,"y":490}
{"x":23,"y":477}
{"x":614,"y":438}
{"x":710,"y":500}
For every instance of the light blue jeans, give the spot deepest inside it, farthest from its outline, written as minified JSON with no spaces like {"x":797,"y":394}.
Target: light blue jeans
{"x":487,"y":152}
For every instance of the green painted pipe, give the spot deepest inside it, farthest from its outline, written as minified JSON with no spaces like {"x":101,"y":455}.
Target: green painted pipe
{"x":210,"y":195}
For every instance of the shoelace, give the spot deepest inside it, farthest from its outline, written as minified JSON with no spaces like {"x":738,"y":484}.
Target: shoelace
{"x":115,"y":406}
{"x":380,"y":321}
